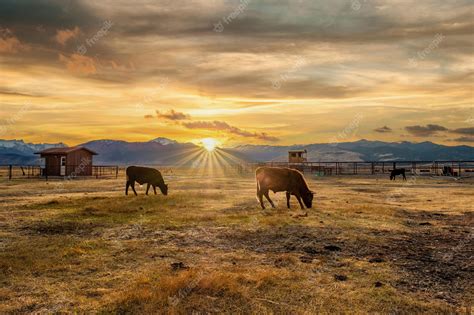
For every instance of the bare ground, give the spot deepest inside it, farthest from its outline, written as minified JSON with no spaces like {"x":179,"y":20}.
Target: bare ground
{"x":368,"y":245}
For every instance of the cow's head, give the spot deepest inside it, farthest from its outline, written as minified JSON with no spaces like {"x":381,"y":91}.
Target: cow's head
{"x":164,"y":189}
{"x":308,"y":199}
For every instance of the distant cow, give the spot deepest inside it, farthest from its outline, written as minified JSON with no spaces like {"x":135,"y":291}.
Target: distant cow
{"x":282,"y":179}
{"x":397,"y":171}
{"x":142,"y":175}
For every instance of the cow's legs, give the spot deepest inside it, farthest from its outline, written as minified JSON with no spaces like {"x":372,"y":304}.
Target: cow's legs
{"x":404,"y":177}
{"x":133,"y":188}
{"x":126,"y":187}
{"x":147,"y":188}
{"x":288,"y":196}
{"x":299,"y":200}
{"x":154,"y":189}
{"x":260,"y":197}
{"x":268,"y":198}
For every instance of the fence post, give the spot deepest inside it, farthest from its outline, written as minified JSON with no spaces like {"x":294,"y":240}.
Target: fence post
{"x":116,"y":172}
{"x":10,"y":169}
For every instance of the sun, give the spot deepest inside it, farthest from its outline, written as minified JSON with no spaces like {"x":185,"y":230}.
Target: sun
{"x":209,"y":144}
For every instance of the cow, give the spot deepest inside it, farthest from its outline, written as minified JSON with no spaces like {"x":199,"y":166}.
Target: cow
{"x":283,"y":179}
{"x":397,"y":171}
{"x":142,"y":175}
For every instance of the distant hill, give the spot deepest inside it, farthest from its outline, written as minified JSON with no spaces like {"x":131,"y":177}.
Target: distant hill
{"x":362,"y":150}
{"x":170,"y":152}
{"x":157,"y":151}
{"x":21,"y":153}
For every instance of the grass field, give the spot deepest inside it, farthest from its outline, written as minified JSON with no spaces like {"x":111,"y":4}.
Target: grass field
{"x":368,"y":245}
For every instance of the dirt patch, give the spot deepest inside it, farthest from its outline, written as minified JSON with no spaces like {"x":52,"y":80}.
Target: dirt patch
{"x":429,"y":259}
{"x":367,"y":190}
{"x":61,"y":228}
{"x":293,"y":238}
{"x":437,"y":260}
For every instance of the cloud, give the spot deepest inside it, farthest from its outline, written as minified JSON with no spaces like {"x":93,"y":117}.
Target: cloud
{"x":9,"y":43}
{"x":464,"y":139}
{"x":464,"y":131}
{"x":215,"y":125}
{"x":223,"y":126}
{"x":383,"y":129}
{"x":172,"y":115}
{"x":79,"y":64}
{"x":423,"y":131}
{"x":62,"y":36}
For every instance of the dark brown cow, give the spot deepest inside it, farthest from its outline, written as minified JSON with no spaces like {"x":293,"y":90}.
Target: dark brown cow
{"x":142,"y":175}
{"x":283,"y":179}
{"x":397,"y":171}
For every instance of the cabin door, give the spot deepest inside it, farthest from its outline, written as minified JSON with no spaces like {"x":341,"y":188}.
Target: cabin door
{"x":62,"y":171}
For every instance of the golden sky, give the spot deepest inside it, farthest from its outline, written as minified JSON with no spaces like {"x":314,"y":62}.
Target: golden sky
{"x":248,"y":71}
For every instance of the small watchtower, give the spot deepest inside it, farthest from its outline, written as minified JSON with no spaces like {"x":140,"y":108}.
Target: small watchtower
{"x":297,"y":156}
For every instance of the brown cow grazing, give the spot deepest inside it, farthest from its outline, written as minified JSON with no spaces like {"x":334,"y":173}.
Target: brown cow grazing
{"x":283,"y":179}
{"x":142,"y":175}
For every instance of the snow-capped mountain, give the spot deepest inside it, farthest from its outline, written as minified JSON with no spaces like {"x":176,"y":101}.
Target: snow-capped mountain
{"x":20,"y":152}
{"x":164,"y":141}
{"x":362,"y":150}
{"x":21,"y":147}
{"x":165,"y":151}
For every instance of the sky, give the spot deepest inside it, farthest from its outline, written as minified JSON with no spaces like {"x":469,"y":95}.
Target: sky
{"x":243,"y":72}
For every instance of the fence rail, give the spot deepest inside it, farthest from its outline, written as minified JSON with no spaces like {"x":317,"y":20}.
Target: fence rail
{"x":35,"y":171}
{"x":433,"y":168}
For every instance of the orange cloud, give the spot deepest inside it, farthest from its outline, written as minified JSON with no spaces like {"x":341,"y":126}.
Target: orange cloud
{"x":172,"y":115}
{"x":9,"y":43}
{"x":79,"y":64}
{"x":62,"y":36}
{"x":223,"y":126}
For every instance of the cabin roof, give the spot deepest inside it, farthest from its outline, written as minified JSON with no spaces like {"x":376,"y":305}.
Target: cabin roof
{"x":64,"y":150}
{"x":297,"y":151}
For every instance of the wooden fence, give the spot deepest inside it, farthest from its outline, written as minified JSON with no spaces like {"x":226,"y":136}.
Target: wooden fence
{"x":35,"y":171}
{"x":433,"y":168}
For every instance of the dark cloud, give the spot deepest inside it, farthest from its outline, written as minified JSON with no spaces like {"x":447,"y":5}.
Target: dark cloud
{"x":464,"y":131}
{"x":172,"y":115}
{"x":464,"y":139}
{"x":383,"y":129}
{"x":223,"y":126}
{"x":423,"y":131}
{"x":45,"y":15}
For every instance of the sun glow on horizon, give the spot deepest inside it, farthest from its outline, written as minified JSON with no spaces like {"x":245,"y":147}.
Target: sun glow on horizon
{"x":209,"y":144}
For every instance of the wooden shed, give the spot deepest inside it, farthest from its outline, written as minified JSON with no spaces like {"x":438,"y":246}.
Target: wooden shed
{"x":69,"y":161}
{"x":297,"y":156}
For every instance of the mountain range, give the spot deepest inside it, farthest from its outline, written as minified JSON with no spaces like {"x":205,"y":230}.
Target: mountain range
{"x":165,"y":151}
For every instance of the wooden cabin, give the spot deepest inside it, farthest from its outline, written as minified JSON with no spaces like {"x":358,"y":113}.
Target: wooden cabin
{"x":69,"y":161}
{"x":297,"y":156}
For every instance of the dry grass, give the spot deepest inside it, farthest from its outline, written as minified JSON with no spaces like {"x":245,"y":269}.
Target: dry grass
{"x":369,"y":245}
